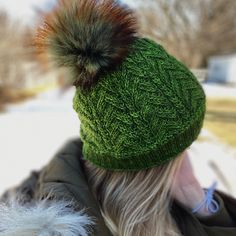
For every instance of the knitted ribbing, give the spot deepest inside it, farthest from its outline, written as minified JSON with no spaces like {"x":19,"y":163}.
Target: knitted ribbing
{"x":146,"y":112}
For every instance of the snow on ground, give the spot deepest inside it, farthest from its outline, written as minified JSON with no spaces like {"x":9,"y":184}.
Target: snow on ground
{"x":31,"y":132}
{"x":214,"y":161}
{"x":220,"y":92}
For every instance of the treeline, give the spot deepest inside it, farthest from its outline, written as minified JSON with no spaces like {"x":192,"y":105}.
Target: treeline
{"x":192,"y":30}
{"x":22,"y":71}
{"x":15,"y":51}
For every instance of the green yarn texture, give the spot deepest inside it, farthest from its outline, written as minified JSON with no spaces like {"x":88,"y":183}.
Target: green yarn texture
{"x":143,"y":114}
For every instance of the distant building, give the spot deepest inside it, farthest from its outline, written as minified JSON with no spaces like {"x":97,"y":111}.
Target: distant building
{"x":222,"y":69}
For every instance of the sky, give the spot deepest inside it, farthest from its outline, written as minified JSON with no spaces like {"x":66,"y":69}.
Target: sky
{"x":24,"y":10}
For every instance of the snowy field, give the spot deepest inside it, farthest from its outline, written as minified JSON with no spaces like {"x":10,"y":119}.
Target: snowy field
{"x":220,"y":92}
{"x":31,"y":133}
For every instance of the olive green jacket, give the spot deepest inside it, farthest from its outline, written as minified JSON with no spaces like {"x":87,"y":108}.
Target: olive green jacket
{"x":58,"y":200}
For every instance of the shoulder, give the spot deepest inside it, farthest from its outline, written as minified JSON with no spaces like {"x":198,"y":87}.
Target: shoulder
{"x":60,"y":198}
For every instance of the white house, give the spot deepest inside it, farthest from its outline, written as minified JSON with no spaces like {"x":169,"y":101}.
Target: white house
{"x":222,"y":69}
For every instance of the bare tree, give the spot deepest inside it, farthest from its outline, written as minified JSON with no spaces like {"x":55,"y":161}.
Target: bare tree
{"x":14,"y":51}
{"x":192,"y":30}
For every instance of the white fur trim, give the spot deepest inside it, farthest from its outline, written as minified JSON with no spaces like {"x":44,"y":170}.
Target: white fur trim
{"x":42,"y":219}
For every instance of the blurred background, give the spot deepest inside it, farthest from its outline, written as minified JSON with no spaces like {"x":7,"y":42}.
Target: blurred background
{"x":36,"y":118}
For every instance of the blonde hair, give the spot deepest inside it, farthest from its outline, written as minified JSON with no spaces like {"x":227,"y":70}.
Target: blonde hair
{"x":135,"y":203}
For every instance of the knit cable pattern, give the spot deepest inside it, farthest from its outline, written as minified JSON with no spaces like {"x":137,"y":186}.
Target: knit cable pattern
{"x":144,"y":113}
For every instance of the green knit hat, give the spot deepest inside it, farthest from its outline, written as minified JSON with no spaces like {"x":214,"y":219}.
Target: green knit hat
{"x":139,"y":107}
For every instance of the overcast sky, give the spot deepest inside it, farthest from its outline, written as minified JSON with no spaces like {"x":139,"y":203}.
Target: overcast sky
{"x":24,"y":9}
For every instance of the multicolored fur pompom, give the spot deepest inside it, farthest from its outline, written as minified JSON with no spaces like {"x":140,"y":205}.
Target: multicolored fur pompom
{"x":87,"y":37}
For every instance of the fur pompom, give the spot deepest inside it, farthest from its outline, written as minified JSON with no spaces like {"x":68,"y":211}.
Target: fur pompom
{"x":87,"y":36}
{"x":42,"y":219}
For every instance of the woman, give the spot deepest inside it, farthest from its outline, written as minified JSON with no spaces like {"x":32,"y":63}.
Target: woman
{"x":140,"y":109}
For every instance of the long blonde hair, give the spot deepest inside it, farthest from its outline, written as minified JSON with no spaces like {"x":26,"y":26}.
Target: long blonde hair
{"x":135,"y":203}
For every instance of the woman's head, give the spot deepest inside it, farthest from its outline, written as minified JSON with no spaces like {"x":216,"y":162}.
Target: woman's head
{"x":136,"y":202}
{"x":139,"y":107}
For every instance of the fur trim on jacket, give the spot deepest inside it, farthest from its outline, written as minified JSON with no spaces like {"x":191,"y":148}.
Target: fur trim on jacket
{"x":43,"y":218}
